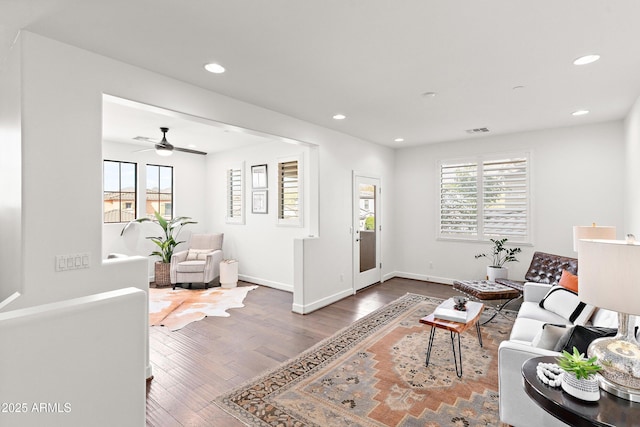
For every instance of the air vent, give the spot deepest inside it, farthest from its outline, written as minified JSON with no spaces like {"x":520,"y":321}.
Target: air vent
{"x":477,"y":130}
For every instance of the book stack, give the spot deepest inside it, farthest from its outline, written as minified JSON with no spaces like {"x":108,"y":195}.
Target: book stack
{"x":445,"y":311}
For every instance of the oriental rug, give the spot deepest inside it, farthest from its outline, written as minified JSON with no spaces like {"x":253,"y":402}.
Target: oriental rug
{"x":373,"y":373}
{"x":175,"y":309}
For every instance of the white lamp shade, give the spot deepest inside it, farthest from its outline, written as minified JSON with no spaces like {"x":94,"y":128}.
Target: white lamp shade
{"x":609,"y":274}
{"x":604,"y":232}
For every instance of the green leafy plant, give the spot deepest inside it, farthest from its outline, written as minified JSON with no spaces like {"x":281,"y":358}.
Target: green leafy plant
{"x":577,"y":363}
{"x":500,"y":255}
{"x":167,"y":242}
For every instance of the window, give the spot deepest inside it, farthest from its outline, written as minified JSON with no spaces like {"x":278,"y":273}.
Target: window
{"x":235,"y":195}
{"x":289,"y":192}
{"x":485,"y":198}
{"x":159,"y":191}
{"x":119,"y":191}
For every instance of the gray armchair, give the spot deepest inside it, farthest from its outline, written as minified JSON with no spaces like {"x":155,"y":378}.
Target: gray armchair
{"x":200,"y":263}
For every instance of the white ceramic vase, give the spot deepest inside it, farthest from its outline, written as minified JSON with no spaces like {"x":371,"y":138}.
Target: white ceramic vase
{"x":494,"y":273}
{"x":584,"y":389}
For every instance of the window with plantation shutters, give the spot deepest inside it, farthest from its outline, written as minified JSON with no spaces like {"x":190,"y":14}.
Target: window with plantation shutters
{"x":289,"y":192}
{"x":235,"y":196}
{"x":485,"y":198}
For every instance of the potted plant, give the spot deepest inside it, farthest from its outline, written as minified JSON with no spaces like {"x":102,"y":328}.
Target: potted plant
{"x":166,"y":243}
{"x":579,"y":379}
{"x":499,"y":256}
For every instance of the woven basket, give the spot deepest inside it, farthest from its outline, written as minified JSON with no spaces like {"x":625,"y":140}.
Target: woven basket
{"x":162,"y":274}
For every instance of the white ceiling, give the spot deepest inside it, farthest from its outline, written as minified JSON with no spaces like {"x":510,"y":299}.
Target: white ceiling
{"x":372,"y":59}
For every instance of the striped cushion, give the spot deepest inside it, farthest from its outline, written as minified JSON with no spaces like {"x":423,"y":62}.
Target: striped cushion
{"x":567,"y":304}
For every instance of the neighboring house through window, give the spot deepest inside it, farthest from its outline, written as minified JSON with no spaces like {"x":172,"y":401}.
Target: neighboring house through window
{"x":159,"y":195}
{"x":119,"y":191}
{"x":487,"y":197}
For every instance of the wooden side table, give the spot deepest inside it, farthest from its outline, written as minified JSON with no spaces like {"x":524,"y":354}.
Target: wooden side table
{"x":608,"y":411}
{"x":474,"y":310}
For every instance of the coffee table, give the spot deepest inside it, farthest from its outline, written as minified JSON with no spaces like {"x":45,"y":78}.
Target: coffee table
{"x":485,"y":290}
{"x":474,"y":310}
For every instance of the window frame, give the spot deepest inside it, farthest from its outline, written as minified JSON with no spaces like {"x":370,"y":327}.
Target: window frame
{"x":297,"y":221}
{"x":480,"y":162}
{"x":229,"y":218}
{"x":120,"y":192}
{"x":160,"y":202}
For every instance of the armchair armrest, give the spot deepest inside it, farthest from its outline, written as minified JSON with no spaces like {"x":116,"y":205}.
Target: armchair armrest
{"x":212,"y":265}
{"x":176,"y":258}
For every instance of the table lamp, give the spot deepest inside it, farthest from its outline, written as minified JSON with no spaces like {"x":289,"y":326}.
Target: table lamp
{"x":609,"y":272}
{"x":592,"y":231}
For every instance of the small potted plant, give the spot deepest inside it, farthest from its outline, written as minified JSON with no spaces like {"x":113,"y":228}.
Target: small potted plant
{"x":499,"y":256}
{"x":579,"y":379}
{"x":166,"y":243}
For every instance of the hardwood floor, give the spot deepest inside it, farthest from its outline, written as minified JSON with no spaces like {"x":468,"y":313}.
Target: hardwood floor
{"x":194,"y":365}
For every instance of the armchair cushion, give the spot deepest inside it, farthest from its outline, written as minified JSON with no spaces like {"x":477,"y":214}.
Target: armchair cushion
{"x":198,"y":254}
{"x":191,"y":266}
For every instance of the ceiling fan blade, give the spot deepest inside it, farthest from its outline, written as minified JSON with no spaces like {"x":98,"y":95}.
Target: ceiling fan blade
{"x":188,"y":150}
{"x":144,"y":149}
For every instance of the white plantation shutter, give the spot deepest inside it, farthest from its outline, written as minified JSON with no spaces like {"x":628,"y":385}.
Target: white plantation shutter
{"x":505,"y":198}
{"x":235,"y":195}
{"x":485,"y":198}
{"x":288,"y":190}
{"x":459,"y":199}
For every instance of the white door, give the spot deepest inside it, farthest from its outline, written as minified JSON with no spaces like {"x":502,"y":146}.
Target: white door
{"x":367,"y":227}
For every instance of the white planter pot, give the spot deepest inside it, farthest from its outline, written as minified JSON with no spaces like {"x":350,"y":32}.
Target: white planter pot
{"x":584,"y":389}
{"x":494,"y":273}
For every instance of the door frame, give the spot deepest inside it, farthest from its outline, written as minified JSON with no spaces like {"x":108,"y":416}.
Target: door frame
{"x":355,"y":258}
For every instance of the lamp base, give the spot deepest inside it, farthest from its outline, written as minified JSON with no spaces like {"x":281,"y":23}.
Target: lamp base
{"x":619,"y":357}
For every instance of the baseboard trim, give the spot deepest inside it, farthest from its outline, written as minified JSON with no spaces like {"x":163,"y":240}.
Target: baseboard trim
{"x":323,"y":302}
{"x":422,"y":277}
{"x":264,"y":282}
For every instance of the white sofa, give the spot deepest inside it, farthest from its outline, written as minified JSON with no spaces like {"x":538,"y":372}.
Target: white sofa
{"x":516,"y":407}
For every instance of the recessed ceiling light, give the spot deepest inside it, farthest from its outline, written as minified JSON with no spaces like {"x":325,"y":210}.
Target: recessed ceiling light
{"x":339,"y":117}
{"x":429,"y":94}
{"x":587,"y":59}
{"x":214,"y":68}
{"x":580,"y":113}
{"x":399,"y":140}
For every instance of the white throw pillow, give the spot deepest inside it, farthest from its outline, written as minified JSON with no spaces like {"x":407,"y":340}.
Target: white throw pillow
{"x":549,"y":336}
{"x":197,"y":254}
{"x":567,"y":304}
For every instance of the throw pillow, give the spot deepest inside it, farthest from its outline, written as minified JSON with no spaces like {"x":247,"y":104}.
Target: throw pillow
{"x":569,"y":281}
{"x":565,"y":303}
{"x":581,"y":337}
{"x":549,"y":336}
{"x":197,"y":254}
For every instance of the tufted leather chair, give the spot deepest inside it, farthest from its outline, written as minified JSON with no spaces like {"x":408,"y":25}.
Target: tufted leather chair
{"x":544,"y":268}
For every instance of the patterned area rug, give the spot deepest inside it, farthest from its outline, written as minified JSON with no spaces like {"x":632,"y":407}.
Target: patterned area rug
{"x":373,"y":373}
{"x":177,"y":308}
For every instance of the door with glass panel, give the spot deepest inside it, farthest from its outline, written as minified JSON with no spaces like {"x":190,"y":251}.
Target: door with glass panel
{"x":367,"y":229}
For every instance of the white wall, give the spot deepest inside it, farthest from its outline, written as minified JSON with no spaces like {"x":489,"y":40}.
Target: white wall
{"x":62,"y":168}
{"x":263,"y":248}
{"x":632,"y":171}
{"x":576,"y":179}
{"x":190,"y":191}
{"x":11,"y":176}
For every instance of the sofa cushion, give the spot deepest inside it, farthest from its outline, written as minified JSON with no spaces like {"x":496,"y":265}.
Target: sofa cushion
{"x":525,"y":329}
{"x":532,"y":310}
{"x":569,"y":281}
{"x":567,"y":304}
{"x":549,"y":335}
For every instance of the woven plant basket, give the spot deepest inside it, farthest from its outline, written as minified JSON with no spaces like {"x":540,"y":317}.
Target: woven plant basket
{"x":162,"y":274}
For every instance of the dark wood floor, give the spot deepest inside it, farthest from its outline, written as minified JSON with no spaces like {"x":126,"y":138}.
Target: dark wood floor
{"x":194,"y":365}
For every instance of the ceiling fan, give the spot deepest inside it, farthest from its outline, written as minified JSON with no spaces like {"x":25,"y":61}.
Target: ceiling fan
{"x":164,"y":147}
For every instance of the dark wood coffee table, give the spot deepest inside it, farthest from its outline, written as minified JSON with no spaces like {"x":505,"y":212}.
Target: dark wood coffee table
{"x":484,"y":290}
{"x":474,"y":310}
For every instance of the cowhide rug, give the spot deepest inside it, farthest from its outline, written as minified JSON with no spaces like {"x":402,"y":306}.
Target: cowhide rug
{"x":175,"y":309}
